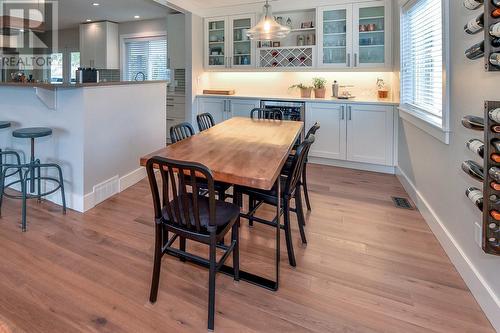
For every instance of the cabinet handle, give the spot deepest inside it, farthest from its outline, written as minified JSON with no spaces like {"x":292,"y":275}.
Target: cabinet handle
{"x":342,"y":115}
{"x":355,"y":60}
{"x":350,"y":112}
{"x":348,"y":60}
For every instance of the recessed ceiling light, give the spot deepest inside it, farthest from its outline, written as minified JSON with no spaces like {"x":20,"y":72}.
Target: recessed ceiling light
{"x":88,"y":20}
{"x":96,"y":4}
{"x":137,"y":17}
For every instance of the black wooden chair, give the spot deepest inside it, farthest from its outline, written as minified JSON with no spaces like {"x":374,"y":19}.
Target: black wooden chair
{"x":183,"y":131}
{"x":290,"y":189}
{"x":260,"y":113}
{"x":288,"y":165}
{"x":205,"y":121}
{"x":180,"y":132}
{"x":188,"y":215}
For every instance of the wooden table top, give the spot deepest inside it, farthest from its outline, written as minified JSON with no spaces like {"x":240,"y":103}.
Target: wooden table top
{"x":240,"y":151}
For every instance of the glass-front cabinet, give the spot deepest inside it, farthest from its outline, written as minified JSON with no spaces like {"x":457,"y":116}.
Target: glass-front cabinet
{"x":226,"y":42}
{"x":335,"y":36}
{"x":215,"y":42}
{"x":354,"y":35}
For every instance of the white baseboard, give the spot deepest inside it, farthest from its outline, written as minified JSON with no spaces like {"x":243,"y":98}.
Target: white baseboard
{"x":489,"y":302}
{"x":353,"y":165}
{"x":112,"y":186}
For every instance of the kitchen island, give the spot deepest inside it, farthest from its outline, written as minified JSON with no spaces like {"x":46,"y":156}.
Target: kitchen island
{"x":100,"y":131}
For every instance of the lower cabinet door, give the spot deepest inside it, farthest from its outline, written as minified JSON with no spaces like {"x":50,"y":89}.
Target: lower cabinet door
{"x":370,"y":134}
{"x":242,"y":107}
{"x":331,"y":137}
{"x":215,"y":106}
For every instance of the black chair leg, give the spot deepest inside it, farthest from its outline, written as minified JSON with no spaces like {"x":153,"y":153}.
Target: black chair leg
{"x":157,"y":264}
{"x":211,"y":285}
{"x":236,"y":251}
{"x":288,"y":234}
{"x":300,"y":214}
{"x":182,"y":247}
{"x":304,"y":184}
{"x":251,"y":207}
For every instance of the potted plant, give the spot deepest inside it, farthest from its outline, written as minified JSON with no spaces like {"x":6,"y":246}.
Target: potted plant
{"x":319,"y":85}
{"x":305,"y":91}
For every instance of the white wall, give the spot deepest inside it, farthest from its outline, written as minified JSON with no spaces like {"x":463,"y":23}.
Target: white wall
{"x":194,"y":63}
{"x":434,"y":169}
{"x":134,"y":27}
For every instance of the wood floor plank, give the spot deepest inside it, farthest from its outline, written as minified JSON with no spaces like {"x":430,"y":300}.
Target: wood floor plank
{"x":368,"y":267}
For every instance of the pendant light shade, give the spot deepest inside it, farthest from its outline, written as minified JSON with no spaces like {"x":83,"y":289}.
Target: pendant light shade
{"x":268,"y":28}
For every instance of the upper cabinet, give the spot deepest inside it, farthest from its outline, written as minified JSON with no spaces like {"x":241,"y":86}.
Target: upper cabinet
{"x":99,"y":45}
{"x":176,"y":39}
{"x":226,"y":42}
{"x":355,"y":35}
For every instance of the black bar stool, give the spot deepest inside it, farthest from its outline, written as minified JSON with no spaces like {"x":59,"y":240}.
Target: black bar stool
{"x":3,"y":162}
{"x":31,"y":173}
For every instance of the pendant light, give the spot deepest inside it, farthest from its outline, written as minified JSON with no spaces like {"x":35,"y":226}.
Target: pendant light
{"x":268,"y":28}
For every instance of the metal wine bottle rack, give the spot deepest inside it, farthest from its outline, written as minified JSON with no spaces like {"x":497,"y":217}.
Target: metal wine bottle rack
{"x":489,"y":20}
{"x":491,"y":227}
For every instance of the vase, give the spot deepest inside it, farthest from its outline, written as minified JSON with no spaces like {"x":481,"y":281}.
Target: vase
{"x":320,"y":93}
{"x":305,"y":92}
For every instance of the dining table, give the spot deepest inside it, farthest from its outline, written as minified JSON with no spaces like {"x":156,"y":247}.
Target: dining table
{"x":243,"y":152}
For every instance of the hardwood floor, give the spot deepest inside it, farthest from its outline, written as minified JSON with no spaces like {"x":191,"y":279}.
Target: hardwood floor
{"x":368,"y":267}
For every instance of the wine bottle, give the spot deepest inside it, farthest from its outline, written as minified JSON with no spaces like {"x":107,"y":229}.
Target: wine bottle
{"x":476,"y":146}
{"x":475,"y":25}
{"x":495,"y":186}
{"x":495,"y":59}
{"x":473,"y":122}
{"x":493,"y":226}
{"x":496,"y":42}
{"x":496,"y":13}
{"x":476,"y":196}
{"x":476,"y":51}
{"x":495,"y":30}
{"x":474,"y":170}
{"x":495,"y":158}
{"x":495,"y":214}
{"x":495,"y":128}
{"x":494,"y":199}
{"x":496,"y":3}
{"x":473,"y":4}
{"x":494,"y":173}
{"x":494,"y":115}
{"x":496,"y":143}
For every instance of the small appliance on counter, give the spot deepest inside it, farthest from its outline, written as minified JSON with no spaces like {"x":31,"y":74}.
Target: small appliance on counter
{"x":87,"y":75}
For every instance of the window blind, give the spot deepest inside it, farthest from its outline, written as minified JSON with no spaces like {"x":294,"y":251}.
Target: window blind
{"x":147,"y":56}
{"x":422,"y":56}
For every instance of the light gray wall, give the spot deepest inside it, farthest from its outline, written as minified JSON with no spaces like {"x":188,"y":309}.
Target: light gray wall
{"x":143,"y":26}
{"x":434,"y":167}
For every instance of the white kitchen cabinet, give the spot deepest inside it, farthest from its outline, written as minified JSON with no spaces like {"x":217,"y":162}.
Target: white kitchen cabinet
{"x":225,"y":108}
{"x":353,"y":132}
{"x":355,"y":35}
{"x":176,"y":39}
{"x":226,"y":43}
{"x":370,"y":134}
{"x":99,"y":45}
{"x":331,"y":138}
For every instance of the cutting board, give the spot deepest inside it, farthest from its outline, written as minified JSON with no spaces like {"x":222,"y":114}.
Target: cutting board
{"x":219,"y":92}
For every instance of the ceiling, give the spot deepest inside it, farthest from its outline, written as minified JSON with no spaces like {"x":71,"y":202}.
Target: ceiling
{"x":74,"y":12}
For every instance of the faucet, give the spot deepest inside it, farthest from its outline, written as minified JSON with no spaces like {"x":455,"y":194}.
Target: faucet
{"x":136,"y":78}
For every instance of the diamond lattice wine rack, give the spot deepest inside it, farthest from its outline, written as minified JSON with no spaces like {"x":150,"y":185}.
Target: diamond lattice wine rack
{"x":291,"y":57}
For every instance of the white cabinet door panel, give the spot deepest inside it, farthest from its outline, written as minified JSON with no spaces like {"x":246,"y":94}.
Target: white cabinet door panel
{"x":331,"y":137}
{"x":242,"y":107}
{"x":370,"y":134}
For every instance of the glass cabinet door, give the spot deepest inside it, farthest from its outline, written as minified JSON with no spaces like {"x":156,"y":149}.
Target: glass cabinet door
{"x":370,"y":35}
{"x":335,"y":37}
{"x":216,"y":43}
{"x":241,"y":48}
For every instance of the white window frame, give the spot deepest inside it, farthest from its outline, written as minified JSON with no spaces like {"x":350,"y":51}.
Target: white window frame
{"x":123,"y":48}
{"x":438,"y":128}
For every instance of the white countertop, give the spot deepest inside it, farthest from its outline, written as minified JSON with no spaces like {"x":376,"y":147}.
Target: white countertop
{"x":361,"y":100}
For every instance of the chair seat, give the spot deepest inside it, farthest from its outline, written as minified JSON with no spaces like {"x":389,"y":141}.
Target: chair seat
{"x":225,"y":213}
{"x":32,"y":132}
{"x":4,"y":124}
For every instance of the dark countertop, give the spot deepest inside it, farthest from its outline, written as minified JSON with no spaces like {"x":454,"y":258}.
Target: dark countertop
{"x":50,"y":86}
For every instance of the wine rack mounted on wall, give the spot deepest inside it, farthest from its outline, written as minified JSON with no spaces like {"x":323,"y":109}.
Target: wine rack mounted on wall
{"x":489,"y":49}
{"x":491,"y":201}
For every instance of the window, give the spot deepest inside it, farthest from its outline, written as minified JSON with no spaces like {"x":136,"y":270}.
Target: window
{"x":56,"y":68}
{"x":423,"y":61}
{"x":146,"y":57}
{"x":74,"y":65}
